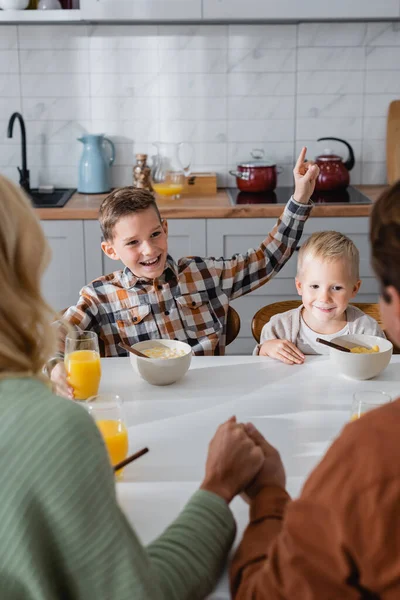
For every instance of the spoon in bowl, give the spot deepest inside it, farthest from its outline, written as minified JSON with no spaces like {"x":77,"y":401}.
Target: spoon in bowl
{"x":332,"y":345}
{"x":132,"y":350}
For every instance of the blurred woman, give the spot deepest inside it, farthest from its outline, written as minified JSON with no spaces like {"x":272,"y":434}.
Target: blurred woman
{"x":62,"y":533}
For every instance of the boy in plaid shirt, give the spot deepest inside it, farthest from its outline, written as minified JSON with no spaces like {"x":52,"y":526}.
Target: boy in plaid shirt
{"x":155,"y":297}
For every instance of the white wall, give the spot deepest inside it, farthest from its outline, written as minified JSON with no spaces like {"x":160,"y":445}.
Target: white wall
{"x":227,"y":89}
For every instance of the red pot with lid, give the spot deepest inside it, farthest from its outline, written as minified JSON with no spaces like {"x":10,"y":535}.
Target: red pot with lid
{"x":256,"y":175}
{"x":333,"y":171}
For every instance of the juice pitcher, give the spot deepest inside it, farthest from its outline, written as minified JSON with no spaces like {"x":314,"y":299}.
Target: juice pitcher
{"x":168,"y":173}
{"x":95,"y":163}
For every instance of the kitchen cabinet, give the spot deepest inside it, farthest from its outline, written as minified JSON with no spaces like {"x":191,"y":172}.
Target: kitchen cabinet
{"x":66,"y":273}
{"x":141,"y":10}
{"x":293,"y":10}
{"x":226,"y":237}
{"x":186,"y":237}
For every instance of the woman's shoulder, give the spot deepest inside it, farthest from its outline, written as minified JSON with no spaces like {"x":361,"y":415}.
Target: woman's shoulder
{"x":29,"y":397}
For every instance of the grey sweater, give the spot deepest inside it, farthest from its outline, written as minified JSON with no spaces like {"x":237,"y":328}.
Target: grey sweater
{"x":286,"y":326}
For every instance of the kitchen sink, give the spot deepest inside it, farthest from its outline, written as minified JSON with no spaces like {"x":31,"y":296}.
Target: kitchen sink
{"x":55,"y":199}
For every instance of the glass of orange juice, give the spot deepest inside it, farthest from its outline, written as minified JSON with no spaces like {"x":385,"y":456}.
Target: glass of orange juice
{"x":107,"y":411}
{"x":366,"y":400}
{"x":82,"y":363}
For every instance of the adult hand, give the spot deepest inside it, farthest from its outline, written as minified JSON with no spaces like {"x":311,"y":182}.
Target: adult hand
{"x":282,"y":350}
{"x":272,"y":471}
{"x":305,"y":176}
{"x":58,"y":377}
{"x":233,"y":461}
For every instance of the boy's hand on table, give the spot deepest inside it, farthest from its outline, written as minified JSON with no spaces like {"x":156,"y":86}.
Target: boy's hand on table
{"x":272,"y":472}
{"x":233,"y":461}
{"x":282,"y":350}
{"x":305,"y":176}
{"x":58,"y":377}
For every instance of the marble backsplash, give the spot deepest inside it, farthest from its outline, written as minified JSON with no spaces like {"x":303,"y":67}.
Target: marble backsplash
{"x":225,"y":88}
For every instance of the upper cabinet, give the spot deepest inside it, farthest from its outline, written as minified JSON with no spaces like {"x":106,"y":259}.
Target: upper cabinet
{"x":293,"y":10}
{"x":140,"y":10}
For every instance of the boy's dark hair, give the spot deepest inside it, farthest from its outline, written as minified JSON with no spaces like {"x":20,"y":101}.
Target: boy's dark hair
{"x":385,"y":238}
{"x":121,"y":202}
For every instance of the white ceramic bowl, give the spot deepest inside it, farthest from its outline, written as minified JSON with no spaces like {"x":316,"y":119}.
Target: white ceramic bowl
{"x":162,"y":371}
{"x":361,"y":366}
{"x":14,"y":4}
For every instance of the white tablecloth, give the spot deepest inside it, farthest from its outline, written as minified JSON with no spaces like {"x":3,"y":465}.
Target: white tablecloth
{"x":299,"y":409}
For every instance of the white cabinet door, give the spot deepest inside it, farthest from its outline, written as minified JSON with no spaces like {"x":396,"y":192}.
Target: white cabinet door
{"x":226,"y":237}
{"x":186,"y":237}
{"x":141,"y":10}
{"x":289,"y":10}
{"x":65,"y":275}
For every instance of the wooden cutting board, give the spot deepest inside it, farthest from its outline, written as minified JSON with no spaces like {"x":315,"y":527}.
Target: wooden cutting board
{"x":393,"y":142}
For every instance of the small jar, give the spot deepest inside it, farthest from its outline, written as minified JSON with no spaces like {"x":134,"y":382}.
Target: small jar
{"x":141,"y":173}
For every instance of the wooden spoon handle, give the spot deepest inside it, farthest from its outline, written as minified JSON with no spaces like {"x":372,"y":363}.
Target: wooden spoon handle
{"x":332,"y":345}
{"x":132,"y":350}
{"x":130,"y":459}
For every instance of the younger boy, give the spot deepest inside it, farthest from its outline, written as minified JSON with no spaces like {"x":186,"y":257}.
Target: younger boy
{"x":327,"y":279}
{"x":155,"y":297}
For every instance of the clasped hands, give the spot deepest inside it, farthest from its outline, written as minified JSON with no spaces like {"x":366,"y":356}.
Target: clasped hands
{"x":241,"y":461}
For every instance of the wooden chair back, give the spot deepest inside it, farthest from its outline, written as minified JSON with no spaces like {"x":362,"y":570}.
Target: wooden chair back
{"x":232,"y":325}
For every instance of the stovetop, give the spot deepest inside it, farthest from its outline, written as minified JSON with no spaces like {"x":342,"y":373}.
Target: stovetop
{"x":282,"y":194}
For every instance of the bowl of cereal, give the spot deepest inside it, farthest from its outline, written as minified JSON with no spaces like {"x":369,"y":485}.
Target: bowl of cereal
{"x":369,"y":355}
{"x":167,"y":362}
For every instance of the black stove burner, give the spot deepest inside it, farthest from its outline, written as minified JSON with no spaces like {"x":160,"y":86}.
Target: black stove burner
{"x":282,"y":194}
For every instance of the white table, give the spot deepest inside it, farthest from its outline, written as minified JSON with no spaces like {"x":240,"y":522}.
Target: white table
{"x":299,"y":409}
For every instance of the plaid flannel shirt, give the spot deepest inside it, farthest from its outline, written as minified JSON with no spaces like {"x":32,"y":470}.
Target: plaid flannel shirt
{"x":190,"y":301}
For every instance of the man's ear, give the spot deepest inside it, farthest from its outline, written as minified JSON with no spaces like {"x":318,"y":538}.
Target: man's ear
{"x":299,"y":286}
{"x":109,"y":250}
{"x":356,"y":288}
{"x":164,"y":224}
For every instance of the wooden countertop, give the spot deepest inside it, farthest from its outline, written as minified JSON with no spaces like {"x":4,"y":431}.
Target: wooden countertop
{"x":82,"y":206}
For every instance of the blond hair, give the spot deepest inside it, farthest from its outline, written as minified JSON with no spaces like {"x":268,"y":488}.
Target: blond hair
{"x":120,"y":203}
{"x":330,"y":246}
{"x":26,"y":336}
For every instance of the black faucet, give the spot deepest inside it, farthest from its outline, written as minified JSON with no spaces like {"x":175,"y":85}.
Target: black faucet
{"x":23,"y":173}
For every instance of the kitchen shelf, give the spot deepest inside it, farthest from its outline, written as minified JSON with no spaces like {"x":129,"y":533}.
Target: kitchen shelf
{"x":40,"y":16}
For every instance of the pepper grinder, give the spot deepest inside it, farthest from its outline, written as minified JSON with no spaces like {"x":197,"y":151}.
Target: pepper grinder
{"x":141,"y":173}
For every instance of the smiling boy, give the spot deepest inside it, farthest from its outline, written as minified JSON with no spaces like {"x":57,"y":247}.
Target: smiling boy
{"x":155,"y":296}
{"x":327,"y":279}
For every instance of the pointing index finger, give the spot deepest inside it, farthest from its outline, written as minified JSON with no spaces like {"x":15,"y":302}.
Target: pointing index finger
{"x":301,"y":158}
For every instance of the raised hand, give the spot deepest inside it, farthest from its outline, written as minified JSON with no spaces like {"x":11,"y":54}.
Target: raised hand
{"x":305,"y":175}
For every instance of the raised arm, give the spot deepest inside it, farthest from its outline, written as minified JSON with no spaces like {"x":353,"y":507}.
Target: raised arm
{"x":244,"y":273}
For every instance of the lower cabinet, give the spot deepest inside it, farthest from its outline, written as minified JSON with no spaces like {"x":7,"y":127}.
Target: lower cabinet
{"x":226,"y":237}
{"x":66,"y":273}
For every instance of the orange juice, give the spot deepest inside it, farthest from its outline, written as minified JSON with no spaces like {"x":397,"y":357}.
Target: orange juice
{"x":168,"y":189}
{"x":115,"y":436}
{"x":84,"y":372}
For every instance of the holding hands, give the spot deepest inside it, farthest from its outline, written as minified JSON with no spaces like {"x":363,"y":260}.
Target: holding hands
{"x":241,"y":460}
